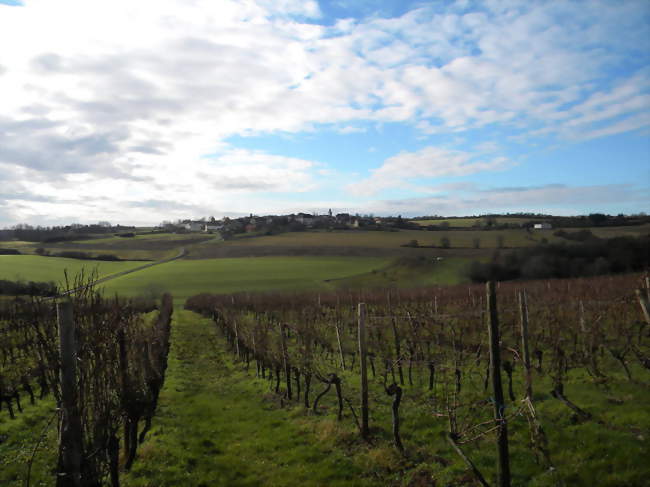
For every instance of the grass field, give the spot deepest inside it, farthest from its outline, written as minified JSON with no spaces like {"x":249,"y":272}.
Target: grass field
{"x":392,"y":240}
{"x":463,"y":239}
{"x":214,"y":428}
{"x":184,"y":278}
{"x":469,"y":222}
{"x":216,"y":425}
{"x":141,"y":247}
{"x":46,"y":269}
{"x":143,"y":240}
{"x":413,"y":273}
{"x":299,"y":260}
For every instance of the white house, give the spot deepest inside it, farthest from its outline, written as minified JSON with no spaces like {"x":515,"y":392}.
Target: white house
{"x":305,"y":219}
{"x":193,"y":226}
{"x":208,"y":227}
{"x":542,"y":226}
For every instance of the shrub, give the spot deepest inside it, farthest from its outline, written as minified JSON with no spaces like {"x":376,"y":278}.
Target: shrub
{"x":110,"y":257}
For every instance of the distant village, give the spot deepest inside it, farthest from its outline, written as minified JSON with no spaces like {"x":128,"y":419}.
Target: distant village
{"x":283,"y":223}
{"x":271,"y":224}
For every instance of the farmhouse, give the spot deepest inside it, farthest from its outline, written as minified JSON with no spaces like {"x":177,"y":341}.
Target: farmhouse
{"x":193,"y":226}
{"x":211,"y":227}
{"x":305,"y":219}
{"x":542,"y":226}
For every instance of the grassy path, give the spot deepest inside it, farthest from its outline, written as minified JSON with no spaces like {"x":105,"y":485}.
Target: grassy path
{"x":214,"y":428}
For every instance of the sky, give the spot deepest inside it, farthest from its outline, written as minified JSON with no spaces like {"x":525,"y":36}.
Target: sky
{"x":138,"y":112}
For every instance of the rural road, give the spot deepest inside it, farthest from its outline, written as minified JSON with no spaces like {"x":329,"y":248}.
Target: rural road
{"x":181,"y":253}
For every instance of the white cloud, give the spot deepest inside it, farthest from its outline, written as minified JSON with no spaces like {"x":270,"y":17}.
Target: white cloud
{"x":350,"y":129}
{"x":132,"y":95}
{"x":552,"y":199}
{"x":407,"y":169}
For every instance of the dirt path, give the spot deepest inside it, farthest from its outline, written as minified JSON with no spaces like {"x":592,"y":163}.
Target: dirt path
{"x":182,"y":252}
{"x":215,"y":428}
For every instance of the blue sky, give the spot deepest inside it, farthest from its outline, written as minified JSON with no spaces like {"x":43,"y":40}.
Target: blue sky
{"x":146,"y":111}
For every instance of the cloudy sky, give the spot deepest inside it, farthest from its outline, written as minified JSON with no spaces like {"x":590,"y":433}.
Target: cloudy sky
{"x":138,"y":111}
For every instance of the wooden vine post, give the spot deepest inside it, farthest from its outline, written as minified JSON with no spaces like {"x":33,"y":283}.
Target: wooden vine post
{"x":503,"y":457}
{"x":238,"y":355}
{"x":365,"y":430}
{"x":70,"y":432}
{"x":643,"y":301}
{"x":523,"y":316}
{"x":338,"y":341}
{"x":285,"y":359}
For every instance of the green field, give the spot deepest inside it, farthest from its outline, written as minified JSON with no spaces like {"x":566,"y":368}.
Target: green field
{"x":394,"y":240}
{"x":141,"y":247}
{"x":471,"y":221}
{"x":184,"y":278}
{"x":412,"y":273}
{"x":46,"y":269}
{"x":285,"y":262}
{"x":142,"y":240}
{"x":214,"y":428}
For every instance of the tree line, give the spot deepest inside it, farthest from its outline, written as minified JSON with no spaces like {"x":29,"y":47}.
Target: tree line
{"x":592,"y":257}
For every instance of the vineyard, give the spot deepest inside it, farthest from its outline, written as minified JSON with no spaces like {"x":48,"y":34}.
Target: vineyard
{"x":103,"y":363}
{"x":424,"y":369}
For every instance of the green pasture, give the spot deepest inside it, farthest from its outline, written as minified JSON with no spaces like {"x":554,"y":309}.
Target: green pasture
{"x":217,"y":424}
{"x":148,"y":242}
{"x":414,"y":273}
{"x":472,"y":221}
{"x":458,"y":239}
{"x":142,"y":239}
{"x":213,"y":427}
{"x":46,"y":269}
{"x":629,"y":231}
{"x":184,"y":278}
{"x":155,"y":246}
{"x":384,"y":240}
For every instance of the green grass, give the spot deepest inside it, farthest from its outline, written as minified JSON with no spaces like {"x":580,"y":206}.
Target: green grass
{"x":414,"y":273}
{"x":471,"y":221}
{"x":148,"y":237}
{"x":141,"y":247}
{"x":184,"y":278}
{"x":18,"y":441}
{"x":45,"y":269}
{"x":214,"y":428}
{"x":393,"y":240}
{"x":217,"y":425}
{"x":348,"y":240}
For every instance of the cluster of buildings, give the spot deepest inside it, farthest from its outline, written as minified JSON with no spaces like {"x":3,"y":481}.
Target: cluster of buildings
{"x":300,"y":221}
{"x":297,"y":221}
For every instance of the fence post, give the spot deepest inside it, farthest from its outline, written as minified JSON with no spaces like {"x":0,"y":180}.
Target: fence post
{"x":338,"y":340}
{"x":70,"y":433}
{"x":503,"y":461}
{"x":523,"y":315}
{"x":285,"y":359}
{"x":236,"y":340}
{"x":643,"y":301}
{"x":365,"y":431}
